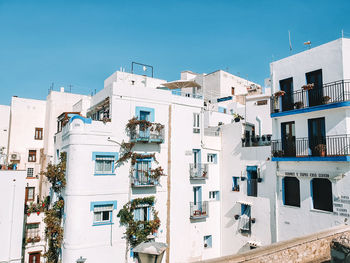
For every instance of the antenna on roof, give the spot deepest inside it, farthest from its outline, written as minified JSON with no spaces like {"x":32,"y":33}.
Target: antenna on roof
{"x":290,"y":42}
{"x":342,"y":33}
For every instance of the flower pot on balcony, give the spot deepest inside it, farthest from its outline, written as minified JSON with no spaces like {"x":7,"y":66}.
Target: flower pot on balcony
{"x":268,"y":137}
{"x":280,"y":93}
{"x":299,"y":105}
{"x":36,"y":239}
{"x":38,"y":213}
{"x":253,"y":220}
{"x":276,"y":110}
{"x":237,"y":119}
{"x":325,"y":99}
{"x":28,"y":214}
{"x":308,"y":86}
{"x":321,"y":149}
{"x":263,"y":138}
{"x":236,"y":217}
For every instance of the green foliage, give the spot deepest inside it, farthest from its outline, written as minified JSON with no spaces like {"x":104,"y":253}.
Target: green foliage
{"x":55,"y":174}
{"x":53,"y":216}
{"x":137,"y":231}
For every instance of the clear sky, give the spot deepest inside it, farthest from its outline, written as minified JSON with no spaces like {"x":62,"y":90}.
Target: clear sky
{"x":80,"y":43}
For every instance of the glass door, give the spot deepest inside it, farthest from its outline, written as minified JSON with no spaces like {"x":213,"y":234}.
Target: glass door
{"x":144,"y":130}
{"x":288,"y":139}
{"x":317,"y":136}
{"x":316,"y":93}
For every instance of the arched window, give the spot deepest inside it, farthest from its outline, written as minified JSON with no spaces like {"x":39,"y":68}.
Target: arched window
{"x":321,"y":193}
{"x":291,"y":191}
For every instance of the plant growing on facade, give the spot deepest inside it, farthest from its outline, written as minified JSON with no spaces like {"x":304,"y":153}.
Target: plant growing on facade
{"x":143,"y":125}
{"x":53,"y":216}
{"x":308,"y":86}
{"x":138,"y":230}
{"x":280,"y":93}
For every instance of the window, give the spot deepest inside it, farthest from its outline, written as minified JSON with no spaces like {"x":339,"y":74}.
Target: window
{"x":30,"y":172}
{"x":144,"y":113}
{"x":208,"y":241}
{"x":291,"y":191}
{"x":142,"y":213}
{"x":232,"y":91}
{"x":34,"y":257}
{"x":222,"y":110}
{"x":32,"y":230}
{"x":235,"y":185}
{"x":321,"y":193}
{"x":32,"y":156}
{"x":244,"y":221}
{"x":261,"y":102}
{"x":252,"y":181}
{"x":196,"y":125}
{"x":38,"y":134}
{"x":214,"y":195}
{"x":142,"y":172}
{"x":103,"y":212}
{"x":104,"y":162}
{"x":212,"y":158}
{"x":30,"y":194}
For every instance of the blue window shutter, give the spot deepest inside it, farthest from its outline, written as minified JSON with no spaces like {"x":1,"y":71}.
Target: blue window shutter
{"x":148,"y":213}
{"x":283,"y":192}
{"x":131,"y":253}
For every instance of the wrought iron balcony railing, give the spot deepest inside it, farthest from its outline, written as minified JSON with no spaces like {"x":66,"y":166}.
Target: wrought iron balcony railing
{"x":199,"y":171}
{"x":199,"y":210}
{"x":264,"y":140}
{"x":333,"y":145}
{"x":142,"y":179}
{"x":141,"y":133}
{"x":337,"y":91}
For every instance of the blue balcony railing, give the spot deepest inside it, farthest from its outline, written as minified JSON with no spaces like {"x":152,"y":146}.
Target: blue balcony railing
{"x":199,"y":210}
{"x":154,"y":133}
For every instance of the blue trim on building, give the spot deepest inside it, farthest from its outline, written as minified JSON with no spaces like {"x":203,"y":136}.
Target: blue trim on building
{"x":76,"y":116}
{"x":312,"y":159}
{"x":103,"y":224}
{"x":114,"y":154}
{"x":311,"y":109}
{"x":252,"y":168}
{"x":93,"y":204}
{"x":150,"y":110}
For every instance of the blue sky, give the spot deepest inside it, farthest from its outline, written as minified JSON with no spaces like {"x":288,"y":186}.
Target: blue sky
{"x":83,"y":42}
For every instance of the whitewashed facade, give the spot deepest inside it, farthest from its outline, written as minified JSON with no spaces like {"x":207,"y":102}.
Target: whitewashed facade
{"x":311,"y":132}
{"x":12,"y":214}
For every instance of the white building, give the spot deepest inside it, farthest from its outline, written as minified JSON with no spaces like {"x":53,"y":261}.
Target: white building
{"x":311,"y":132}
{"x":188,"y":148}
{"x":31,"y":147}
{"x":11,"y":216}
{"x":4,"y":131}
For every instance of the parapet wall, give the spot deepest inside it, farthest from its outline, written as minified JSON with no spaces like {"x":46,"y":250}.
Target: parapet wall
{"x":310,"y":248}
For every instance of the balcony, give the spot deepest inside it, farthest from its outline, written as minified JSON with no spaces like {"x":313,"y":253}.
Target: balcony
{"x":334,"y":92}
{"x":253,"y":141}
{"x":153,"y":133}
{"x":33,"y":235}
{"x":199,"y":210}
{"x":329,"y":148}
{"x":198,"y":171}
{"x":142,"y":179}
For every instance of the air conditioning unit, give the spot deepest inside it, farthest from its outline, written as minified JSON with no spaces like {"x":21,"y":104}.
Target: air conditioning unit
{"x":15,"y":156}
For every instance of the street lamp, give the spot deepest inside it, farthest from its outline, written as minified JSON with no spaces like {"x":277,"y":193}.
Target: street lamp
{"x":150,"y":251}
{"x":81,"y":260}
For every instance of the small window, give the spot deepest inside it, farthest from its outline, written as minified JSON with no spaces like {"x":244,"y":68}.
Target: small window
{"x":32,"y":156}
{"x":232,"y":91}
{"x":30,"y":194}
{"x":142,"y":213}
{"x":291,"y":191}
{"x":196,"y":124}
{"x":244,"y":221}
{"x":32,"y":231}
{"x":222,"y":110}
{"x":38,"y":134}
{"x":104,"y":164}
{"x":214,"y":195}
{"x":212,"y":158}
{"x":30,"y":172}
{"x":321,"y":192}
{"x":208,"y":241}
{"x":103,"y":214}
{"x":235,"y":184}
{"x":252,"y":180}
{"x":261,"y":102}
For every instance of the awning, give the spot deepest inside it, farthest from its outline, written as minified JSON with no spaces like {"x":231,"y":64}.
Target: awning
{"x":244,"y":203}
{"x":180,"y":84}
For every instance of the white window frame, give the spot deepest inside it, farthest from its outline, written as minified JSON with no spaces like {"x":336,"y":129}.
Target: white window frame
{"x":100,"y":211}
{"x":212,"y":158}
{"x":196,"y":123}
{"x":106,"y":163}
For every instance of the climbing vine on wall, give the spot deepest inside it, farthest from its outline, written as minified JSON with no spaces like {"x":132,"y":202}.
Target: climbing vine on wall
{"x":137,"y":231}
{"x":53,"y":216}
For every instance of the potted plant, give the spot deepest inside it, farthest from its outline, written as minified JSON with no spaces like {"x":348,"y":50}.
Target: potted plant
{"x":36,"y":239}
{"x":263,"y":138}
{"x":257,"y":138}
{"x":321,"y":149}
{"x":236,"y":217}
{"x":237,"y":117}
{"x":325,"y":99}
{"x":259,"y":180}
{"x":243,"y":140}
{"x":308,"y":86}
{"x":299,"y":105}
{"x":253,"y":220}
{"x":236,"y":188}
{"x":268,"y":137}
{"x":280,"y":93}
{"x":38,"y":212}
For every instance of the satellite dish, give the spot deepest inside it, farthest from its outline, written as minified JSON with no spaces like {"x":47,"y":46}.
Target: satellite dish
{"x":144,"y":68}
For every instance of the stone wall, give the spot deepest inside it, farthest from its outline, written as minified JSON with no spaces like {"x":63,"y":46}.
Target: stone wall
{"x":310,"y":248}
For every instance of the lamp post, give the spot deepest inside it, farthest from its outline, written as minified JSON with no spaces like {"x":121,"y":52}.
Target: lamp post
{"x":81,"y":260}
{"x":150,"y":251}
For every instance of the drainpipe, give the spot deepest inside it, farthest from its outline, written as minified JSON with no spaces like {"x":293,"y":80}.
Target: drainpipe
{"x":168,"y":189}
{"x":259,"y":121}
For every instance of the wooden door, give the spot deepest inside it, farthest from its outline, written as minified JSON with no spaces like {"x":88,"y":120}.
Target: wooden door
{"x":34,"y":257}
